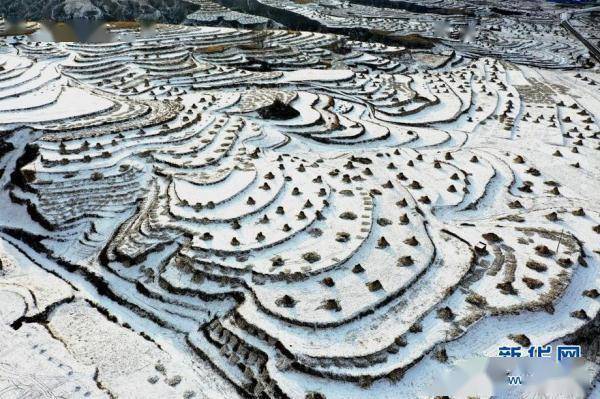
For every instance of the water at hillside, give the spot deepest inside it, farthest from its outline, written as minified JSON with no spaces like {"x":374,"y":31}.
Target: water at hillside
{"x":86,"y":31}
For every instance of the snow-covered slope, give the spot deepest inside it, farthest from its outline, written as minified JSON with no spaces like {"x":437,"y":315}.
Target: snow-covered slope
{"x":212,"y":212}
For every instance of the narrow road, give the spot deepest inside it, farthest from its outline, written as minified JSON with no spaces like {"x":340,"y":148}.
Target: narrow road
{"x":594,"y":51}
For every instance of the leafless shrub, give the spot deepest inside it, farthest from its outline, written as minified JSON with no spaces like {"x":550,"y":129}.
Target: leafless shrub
{"x":532,"y":283}
{"x":311,"y":257}
{"x":445,"y":314}
{"x":538,"y":267}
{"x":476,"y":300}
{"x":520,"y":339}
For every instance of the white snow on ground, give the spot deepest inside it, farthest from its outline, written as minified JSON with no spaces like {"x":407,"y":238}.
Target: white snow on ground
{"x":34,"y":364}
{"x":317,"y":75}
{"x":174,"y":225}
{"x":72,"y":102}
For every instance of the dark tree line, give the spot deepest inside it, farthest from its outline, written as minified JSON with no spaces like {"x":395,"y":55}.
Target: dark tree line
{"x":171,"y":11}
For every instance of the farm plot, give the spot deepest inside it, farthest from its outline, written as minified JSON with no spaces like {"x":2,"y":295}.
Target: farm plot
{"x":290,"y":214}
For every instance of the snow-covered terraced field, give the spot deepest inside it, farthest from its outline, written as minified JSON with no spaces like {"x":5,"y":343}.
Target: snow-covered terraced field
{"x":210,"y":212}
